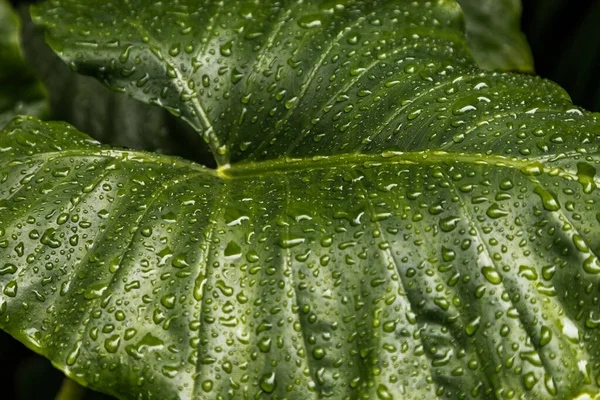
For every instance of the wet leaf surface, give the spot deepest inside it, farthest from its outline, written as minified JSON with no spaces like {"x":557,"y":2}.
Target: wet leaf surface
{"x":387,"y":220}
{"x":110,"y":117}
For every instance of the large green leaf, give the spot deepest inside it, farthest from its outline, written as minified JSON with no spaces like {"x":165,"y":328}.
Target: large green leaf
{"x":494,"y":34}
{"x":429,"y":274}
{"x":20,"y":91}
{"x":387,"y":221}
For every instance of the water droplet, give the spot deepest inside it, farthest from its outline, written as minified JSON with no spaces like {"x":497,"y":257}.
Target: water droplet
{"x":74,"y":353}
{"x":354,"y":38}
{"x":290,"y":241}
{"x":223,"y":288}
{"x":414,"y":114}
{"x":449,"y":224}
{"x":495,"y":211}
{"x":545,"y":336}
{"x":226,"y":48}
{"x":112,"y":343}
{"x":448,"y":254}
{"x":591,"y":265}
{"x":236,"y":76}
{"x":94,"y":291}
{"x":310,"y":21}
{"x":199,"y":287}
{"x":472,"y":326}
{"x":318,"y":353}
{"x":148,"y":343}
{"x":61,"y":172}
{"x":529,"y":380}
{"x":174,"y":50}
{"x":207,"y":385}
{"x":506,"y":184}
{"x":232,"y":251}
{"x":548,"y":200}
{"x":533,"y":357}
{"x":580,"y":244}
{"x":11,"y":289}
{"x":268,"y":382}
{"x":264,"y":344}
{"x":550,"y":385}
{"x":383,"y":393}
{"x":168,"y":300}
{"x":569,"y":329}
{"x":528,"y":272}
{"x":8,"y":269}
{"x":585,"y":176}
{"x":49,"y":239}
{"x":492,"y":275}
{"x":442,"y":303}
{"x":180,"y":261}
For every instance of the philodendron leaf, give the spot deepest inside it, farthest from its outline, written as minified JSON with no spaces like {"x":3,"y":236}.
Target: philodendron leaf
{"x":408,"y":275}
{"x":20,"y":91}
{"x":494,"y":35}
{"x":107,"y":116}
{"x":388,"y":221}
{"x":269,"y":81}
{"x":262,"y":82}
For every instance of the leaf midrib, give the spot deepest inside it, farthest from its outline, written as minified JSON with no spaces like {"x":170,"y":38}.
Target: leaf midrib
{"x":290,"y":165}
{"x":294,"y":165}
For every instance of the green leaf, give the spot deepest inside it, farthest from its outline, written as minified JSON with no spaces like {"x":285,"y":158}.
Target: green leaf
{"x":408,"y":227}
{"x":494,"y":34}
{"x":145,"y":276}
{"x":20,"y":90}
{"x":105,"y":115}
{"x":262,"y":82}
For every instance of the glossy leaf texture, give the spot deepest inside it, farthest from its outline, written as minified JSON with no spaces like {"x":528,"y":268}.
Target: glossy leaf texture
{"x":264,"y":82}
{"x":388,"y":221}
{"x":261,"y":83}
{"x":494,"y":34}
{"x":414,"y":275}
{"x":20,"y":91}
{"x":105,"y":115}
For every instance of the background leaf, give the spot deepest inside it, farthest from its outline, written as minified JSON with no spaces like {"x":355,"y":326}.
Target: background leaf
{"x":20,"y":90}
{"x":112,"y":118}
{"x":494,"y":34}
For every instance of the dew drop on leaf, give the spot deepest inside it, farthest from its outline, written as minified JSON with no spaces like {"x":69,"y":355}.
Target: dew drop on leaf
{"x":112,"y":343}
{"x":267,"y":382}
{"x":586,"y":176}
{"x":548,"y":200}
{"x":545,"y":336}
{"x":472,"y":326}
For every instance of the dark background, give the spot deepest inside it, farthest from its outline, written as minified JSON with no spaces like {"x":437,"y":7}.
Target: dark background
{"x":565,"y":39}
{"x":564,"y":36}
